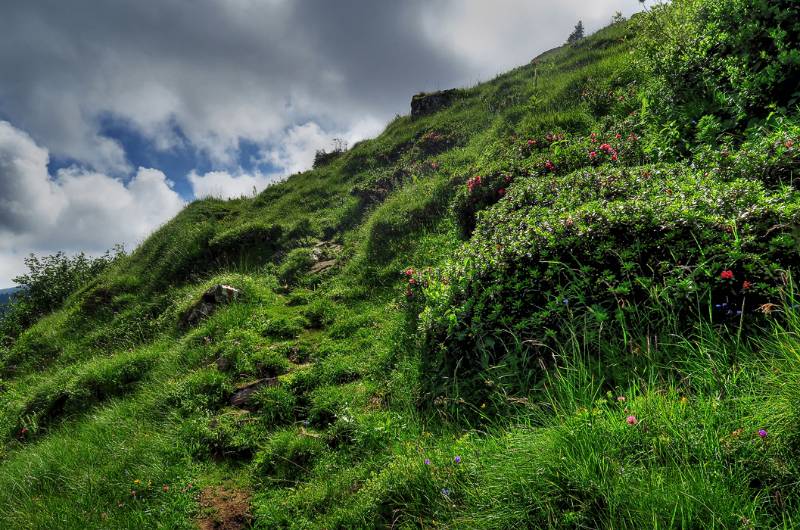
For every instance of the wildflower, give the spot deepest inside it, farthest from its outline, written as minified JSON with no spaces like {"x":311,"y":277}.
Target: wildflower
{"x":501,"y":192}
{"x":726,"y":274}
{"x":621,"y":399}
{"x":531,"y":143}
{"x":684,"y":400}
{"x":592,"y":155}
{"x":746,"y":285}
{"x":565,"y":301}
{"x":446,"y":492}
{"x":614,"y":157}
{"x":606,"y":147}
{"x":409,"y":272}
{"x":427,"y":461}
{"x":483,"y":405}
{"x":457,"y":460}
{"x":631,"y":420}
{"x":762,"y":433}
{"x":789,"y":144}
{"x":137,"y":481}
{"x":618,"y":136}
{"x":549,"y":166}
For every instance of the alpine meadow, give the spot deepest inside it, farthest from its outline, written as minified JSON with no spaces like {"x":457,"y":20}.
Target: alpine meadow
{"x":562,"y":298}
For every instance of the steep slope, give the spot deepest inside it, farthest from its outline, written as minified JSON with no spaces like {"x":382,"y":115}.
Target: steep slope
{"x":507,"y":310}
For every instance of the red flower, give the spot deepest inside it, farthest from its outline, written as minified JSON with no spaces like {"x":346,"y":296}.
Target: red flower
{"x":605,"y":147}
{"x":726,"y":274}
{"x":501,"y":191}
{"x":618,"y":136}
{"x":592,"y":155}
{"x":614,"y":157}
{"x":531,"y":143}
{"x":473,"y":183}
{"x":549,"y":166}
{"x":409,"y":272}
{"x":746,"y":285}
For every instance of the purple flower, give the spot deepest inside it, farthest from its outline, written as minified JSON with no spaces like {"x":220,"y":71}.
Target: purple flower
{"x":427,"y":461}
{"x":762,"y":433}
{"x":457,"y":460}
{"x":445,"y":492}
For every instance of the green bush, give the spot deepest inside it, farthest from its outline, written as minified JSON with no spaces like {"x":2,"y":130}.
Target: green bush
{"x":736,"y":59}
{"x":48,"y":283}
{"x":623,"y":246}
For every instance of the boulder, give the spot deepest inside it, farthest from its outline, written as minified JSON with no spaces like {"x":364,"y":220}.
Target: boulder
{"x":424,"y":104}
{"x":208,"y":303}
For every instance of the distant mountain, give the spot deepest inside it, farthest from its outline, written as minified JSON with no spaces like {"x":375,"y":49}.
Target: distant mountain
{"x":5,"y":294}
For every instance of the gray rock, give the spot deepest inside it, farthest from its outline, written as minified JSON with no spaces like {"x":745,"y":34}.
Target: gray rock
{"x":424,"y":104}
{"x":208,"y":303}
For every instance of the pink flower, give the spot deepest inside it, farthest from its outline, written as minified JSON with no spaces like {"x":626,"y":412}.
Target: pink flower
{"x":631,"y":420}
{"x":762,"y":433}
{"x":549,"y":166}
{"x":592,"y":155}
{"x":726,"y":274}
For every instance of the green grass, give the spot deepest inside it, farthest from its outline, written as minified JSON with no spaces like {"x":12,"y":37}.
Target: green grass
{"x":442,"y":332}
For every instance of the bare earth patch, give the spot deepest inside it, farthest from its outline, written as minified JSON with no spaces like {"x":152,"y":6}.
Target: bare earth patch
{"x":224,"y":508}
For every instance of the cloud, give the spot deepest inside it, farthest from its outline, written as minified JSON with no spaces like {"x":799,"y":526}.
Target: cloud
{"x":75,"y":210}
{"x":224,"y":185}
{"x":295,"y":152}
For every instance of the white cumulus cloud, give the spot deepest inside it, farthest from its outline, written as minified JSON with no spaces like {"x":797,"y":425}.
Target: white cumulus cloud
{"x":73,"y":210}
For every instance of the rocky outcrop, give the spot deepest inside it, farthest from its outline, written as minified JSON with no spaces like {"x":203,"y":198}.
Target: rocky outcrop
{"x":425,"y":104}
{"x":324,"y":255}
{"x":208,"y":303}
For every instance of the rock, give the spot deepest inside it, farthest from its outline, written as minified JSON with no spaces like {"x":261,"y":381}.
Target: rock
{"x":208,"y":303}
{"x":223,"y":364}
{"x":321,"y":266}
{"x":325,"y":249}
{"x":324,"y":255}
{"x":243,"y":393}
{"x":424,"y":104}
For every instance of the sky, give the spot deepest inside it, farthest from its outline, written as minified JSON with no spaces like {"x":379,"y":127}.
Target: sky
{"x":115,"y":114}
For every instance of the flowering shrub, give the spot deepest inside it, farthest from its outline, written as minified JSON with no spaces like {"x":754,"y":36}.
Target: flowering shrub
{"x":614,"y":243}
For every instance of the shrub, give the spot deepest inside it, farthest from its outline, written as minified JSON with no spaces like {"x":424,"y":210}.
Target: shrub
{"x":48,"y":283}
{"x":736,"y":59}
{"x":615,"y":244}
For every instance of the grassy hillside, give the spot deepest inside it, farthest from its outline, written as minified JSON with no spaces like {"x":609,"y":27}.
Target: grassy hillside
{"x":564,"y":299}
